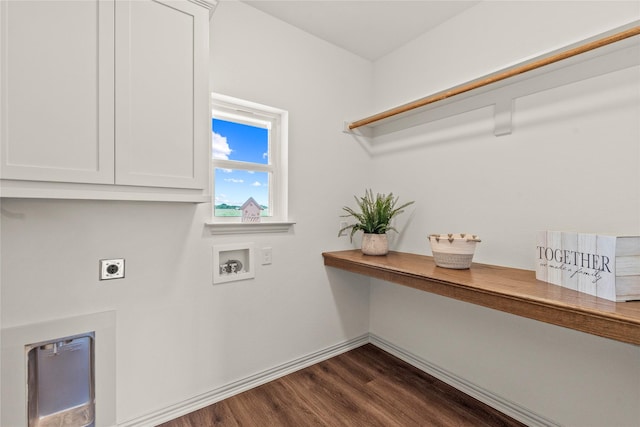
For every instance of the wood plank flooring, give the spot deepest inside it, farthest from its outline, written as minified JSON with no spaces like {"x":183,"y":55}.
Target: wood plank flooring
{"x":363,"y":387}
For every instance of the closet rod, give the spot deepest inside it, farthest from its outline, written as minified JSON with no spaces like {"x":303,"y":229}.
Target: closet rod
{"x":497,"y":77}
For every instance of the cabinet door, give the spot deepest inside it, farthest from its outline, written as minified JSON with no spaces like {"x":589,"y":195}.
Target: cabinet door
{"x":57,"y":80}
{"x":162,"y":96}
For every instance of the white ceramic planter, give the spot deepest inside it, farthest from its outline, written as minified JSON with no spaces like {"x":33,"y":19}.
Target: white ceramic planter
{"x":453,"y":250}
{"x":375,"y":244}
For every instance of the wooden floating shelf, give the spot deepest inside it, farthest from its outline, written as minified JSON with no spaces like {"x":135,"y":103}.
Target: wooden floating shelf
{"x":506,"y":289}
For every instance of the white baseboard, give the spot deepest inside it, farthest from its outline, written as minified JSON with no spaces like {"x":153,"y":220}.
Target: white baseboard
{"x":236,"y":387}
{"x":485,"y":396}
{"x":182,"y":408}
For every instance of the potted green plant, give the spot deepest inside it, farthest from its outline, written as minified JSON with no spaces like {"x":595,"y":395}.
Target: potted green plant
{"x":374,"y":218}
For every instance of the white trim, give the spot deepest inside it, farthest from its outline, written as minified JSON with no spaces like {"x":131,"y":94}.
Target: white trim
{"x":503,"y":405}
{"x":171,"y":412}
{"x":78,"y":191}
{"x":231,"y":104}
{"x":208,"y":4}
{"x":218,"y":228}
{"x":277,"y":120}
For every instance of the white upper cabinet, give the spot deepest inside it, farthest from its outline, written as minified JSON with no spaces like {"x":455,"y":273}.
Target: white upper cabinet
{"x":57,"y":91}
{"x":162,"y":114}
{"x":105,"y":92}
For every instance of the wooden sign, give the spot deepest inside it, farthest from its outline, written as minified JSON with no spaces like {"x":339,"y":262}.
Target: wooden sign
{"x":601,"y":265}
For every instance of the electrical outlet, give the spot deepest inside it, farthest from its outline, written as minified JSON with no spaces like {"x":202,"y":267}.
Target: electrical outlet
{"x":111,"y":269}
{"x":267,"y":257}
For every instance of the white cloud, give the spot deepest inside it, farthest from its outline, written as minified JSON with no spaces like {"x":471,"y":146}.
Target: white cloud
{"x":265,"y":155}
{"x":256,"y":184}
{"x":220,"y":148}
{"x":234,"y":180}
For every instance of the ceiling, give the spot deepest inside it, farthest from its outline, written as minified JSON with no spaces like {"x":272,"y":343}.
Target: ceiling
{"x":368,"y":28}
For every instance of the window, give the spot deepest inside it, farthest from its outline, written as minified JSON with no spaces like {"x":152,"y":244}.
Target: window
{"x":248,"y":160}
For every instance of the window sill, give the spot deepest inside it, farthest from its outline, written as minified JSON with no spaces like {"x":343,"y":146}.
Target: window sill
{"x":221,"y":228}
{"x":501,"y":288}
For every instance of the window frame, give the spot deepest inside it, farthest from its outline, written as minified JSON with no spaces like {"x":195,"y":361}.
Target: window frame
{"x":242,"y":111}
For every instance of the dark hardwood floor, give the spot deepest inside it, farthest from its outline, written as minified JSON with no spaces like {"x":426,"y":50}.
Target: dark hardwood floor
{"x":363,"y":387}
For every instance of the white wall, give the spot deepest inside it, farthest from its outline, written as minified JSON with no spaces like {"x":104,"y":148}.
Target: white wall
{"x":177,"y":334}
{"x":571,"y":163}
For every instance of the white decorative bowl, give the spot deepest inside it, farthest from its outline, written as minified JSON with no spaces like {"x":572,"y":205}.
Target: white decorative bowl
{"x":453,"y":250}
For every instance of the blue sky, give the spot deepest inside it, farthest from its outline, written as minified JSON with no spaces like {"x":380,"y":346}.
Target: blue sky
{"x":244,"y":143}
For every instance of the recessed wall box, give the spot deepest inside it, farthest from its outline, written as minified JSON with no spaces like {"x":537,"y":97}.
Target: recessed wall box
{"x":233,"y":262}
